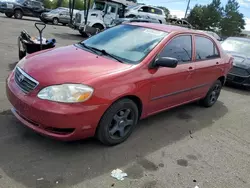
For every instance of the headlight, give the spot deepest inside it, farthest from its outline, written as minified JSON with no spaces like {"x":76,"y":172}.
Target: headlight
{"x":10,"y":5}
{"x":66,"y":93}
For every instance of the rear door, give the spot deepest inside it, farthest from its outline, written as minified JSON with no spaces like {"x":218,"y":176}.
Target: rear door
{"x":171,"y":86}
{"x":64,"y":17}
{"x":207,"y":61}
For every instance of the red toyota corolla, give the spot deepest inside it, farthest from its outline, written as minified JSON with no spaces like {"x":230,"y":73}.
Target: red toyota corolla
{"x":104,"y":85}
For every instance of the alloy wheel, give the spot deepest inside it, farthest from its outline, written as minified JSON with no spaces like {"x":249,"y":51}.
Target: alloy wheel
{"x":215,"y":93}
{"x":121,"y":124}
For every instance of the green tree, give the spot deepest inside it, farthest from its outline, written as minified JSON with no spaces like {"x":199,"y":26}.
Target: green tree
{"x":213,"y":15}
{"x":196,"y":17}
{"x":233,"y":21}
{"x":206,"y":17}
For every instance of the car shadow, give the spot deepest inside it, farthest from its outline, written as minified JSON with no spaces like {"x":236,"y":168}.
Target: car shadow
{"x":37,"y":161}
{"x":33,"y":19}
{"x":69,"y":36}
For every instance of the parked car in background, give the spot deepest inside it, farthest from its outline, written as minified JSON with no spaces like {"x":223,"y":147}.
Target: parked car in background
{"x":136,"y":19}
{"x":56,"y":16}
{"x":20,"y":8}
{"x":239,"y":48}
{"x":179,"y":22}
{"x":145,"y":10}
{"x":105,"y":84}
{"x":215,"y":35}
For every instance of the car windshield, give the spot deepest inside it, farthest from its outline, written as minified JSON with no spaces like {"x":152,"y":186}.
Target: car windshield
{"x":99,"y":5}
{"x":236,"y":45}
{"x":123,"y":42}
{"x":55,"y":11}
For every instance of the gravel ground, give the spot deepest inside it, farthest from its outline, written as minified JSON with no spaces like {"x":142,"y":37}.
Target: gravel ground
{"x":183,"y":147}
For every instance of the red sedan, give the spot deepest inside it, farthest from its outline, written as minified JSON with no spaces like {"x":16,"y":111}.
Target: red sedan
{"x":104,"y":85}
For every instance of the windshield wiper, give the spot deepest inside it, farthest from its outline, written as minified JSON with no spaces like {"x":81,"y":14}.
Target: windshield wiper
{"x":104,"y":52}
{"x":88,"y":47}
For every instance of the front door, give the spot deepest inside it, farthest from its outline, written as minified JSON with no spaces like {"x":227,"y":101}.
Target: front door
{"x":111,"y":13}
{"x":27,"y":8}
{"x":207,"y":65}
{"x":171,"y":86}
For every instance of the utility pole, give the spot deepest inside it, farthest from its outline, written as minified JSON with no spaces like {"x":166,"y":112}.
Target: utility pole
{"x":187,"y":8}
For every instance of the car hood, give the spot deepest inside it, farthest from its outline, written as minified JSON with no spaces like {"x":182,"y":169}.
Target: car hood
{"x":68,"y":64}
{"x":240,"y":60}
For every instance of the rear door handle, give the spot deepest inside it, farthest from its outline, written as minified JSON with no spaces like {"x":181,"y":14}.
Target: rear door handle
{"x":190,"y":68}
{"x":217,"y":63}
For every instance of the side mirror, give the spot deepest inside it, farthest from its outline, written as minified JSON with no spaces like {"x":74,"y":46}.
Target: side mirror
{"x":166,"y":62}
{"x":140,"y":10}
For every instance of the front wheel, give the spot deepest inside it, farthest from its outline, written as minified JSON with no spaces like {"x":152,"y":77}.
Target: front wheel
{"x":118,"y":122}
{"x":18,"y":14}
{"x":9,"y":15}
{"x":212,"y":95}
{"x":55,"y":21}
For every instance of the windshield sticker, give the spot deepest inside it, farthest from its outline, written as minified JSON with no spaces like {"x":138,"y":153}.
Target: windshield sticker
{"x":153,"y":32}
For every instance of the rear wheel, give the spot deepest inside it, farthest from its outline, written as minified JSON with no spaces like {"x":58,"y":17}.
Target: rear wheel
{"x":212,"y":95}
{"x":9,"y":15}
{"x":118,"y":122}
{"x":55,"y":21}
{"x":18,"y":14}
{"x":64,"y":24}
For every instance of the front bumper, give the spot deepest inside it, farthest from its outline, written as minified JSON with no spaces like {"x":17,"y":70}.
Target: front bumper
{"x":74,"y":26}
{"x":238,"y":80}
{"x":57,"y":120}
{"x":45,"y":19}
{"x":6,"y":10}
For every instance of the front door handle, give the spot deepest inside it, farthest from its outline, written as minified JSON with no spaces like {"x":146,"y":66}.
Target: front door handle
{"x":190,"y":68}
{"x":217,"y":63}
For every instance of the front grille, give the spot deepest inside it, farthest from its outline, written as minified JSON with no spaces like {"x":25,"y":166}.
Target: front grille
{"x":239,"y":71}
{"x":3,"y":5}
{"x":24,"y":81}
{"x":78,"y":18}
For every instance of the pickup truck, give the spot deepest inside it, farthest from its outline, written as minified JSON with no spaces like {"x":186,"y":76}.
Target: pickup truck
{"x":20,"y":8}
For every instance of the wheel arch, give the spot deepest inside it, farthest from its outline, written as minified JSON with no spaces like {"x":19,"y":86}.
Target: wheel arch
{"x":98,"y":24}
{"x":222,"y":79}
{"x":18,"y":8}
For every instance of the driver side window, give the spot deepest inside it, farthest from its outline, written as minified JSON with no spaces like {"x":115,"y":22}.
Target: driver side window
{"x":180,"y":48}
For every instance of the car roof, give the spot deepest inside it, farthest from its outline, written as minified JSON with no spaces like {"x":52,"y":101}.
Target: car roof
{"x":167,"y":28}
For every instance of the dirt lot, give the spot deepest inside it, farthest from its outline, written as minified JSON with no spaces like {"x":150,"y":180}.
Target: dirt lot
{"x":181,"y":148}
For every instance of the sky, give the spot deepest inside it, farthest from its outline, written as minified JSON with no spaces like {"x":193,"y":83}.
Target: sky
{"x":178,"y":7}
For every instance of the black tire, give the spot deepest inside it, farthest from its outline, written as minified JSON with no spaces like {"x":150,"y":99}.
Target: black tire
{"x":118,"y":122}
{"x":84,"y":34}
{"x":212,"y":95}
{"x":9,"y":15}
{"x":99,"y":27}
{"x":64,"y":24}
{"x":55,"y":21}
{"x":18,"y":14}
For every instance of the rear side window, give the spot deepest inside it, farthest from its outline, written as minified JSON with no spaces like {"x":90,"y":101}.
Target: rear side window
{"x":205,"y":49}
{"x":158,"y":11}
{"x":180,"y":48}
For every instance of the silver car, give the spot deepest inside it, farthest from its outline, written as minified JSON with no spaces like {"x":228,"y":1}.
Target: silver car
{"x":146,"y":11}
{"x":56,"y":16}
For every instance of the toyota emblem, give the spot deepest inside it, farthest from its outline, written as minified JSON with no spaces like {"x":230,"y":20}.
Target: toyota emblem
{"x":21,"y":78}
